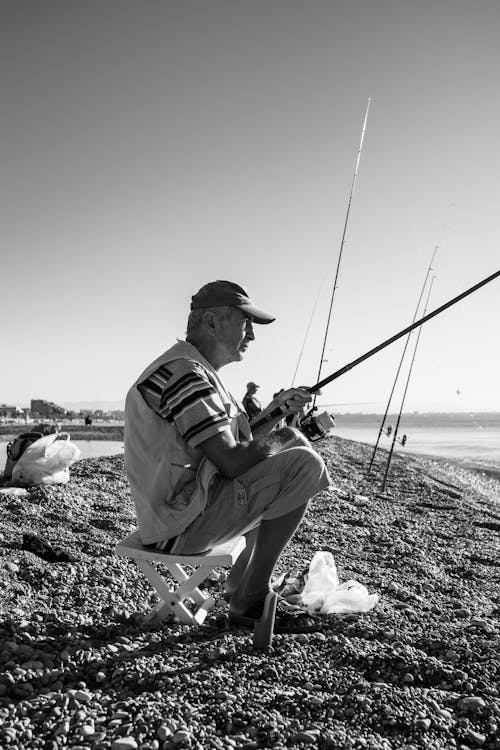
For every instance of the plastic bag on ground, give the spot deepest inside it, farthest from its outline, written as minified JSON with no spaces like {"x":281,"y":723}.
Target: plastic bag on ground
{"x":325,"y":594}
{"x":46,"y":461}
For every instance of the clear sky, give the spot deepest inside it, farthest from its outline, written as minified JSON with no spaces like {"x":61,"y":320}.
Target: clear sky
{"x":149,"y":147}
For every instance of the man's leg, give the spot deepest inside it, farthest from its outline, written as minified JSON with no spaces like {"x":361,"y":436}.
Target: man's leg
{"x":271,"y":539}
{"x":239,"y":567}
{"x":266,"y":503}
{"x":303,"y":474}
{"x":296,"y":439}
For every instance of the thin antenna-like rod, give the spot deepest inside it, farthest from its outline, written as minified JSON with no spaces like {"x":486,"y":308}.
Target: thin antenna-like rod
{"x":321,"y":360}
{"x":307,"y":332}
{"x":389,"y":457}
{"x":401,"y":362}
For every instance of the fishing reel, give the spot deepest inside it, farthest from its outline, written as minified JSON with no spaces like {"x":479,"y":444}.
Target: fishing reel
{"x":316,"y":426}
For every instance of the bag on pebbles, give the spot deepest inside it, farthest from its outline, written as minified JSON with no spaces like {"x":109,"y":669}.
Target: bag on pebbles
{"x":324,"y":593}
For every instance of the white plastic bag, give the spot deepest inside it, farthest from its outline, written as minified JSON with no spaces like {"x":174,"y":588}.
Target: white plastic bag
{"x":323,"y":593}
{"x":46,"y":461}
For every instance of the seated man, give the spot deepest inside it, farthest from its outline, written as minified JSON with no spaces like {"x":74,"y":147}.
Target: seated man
{"x":198,"y":475}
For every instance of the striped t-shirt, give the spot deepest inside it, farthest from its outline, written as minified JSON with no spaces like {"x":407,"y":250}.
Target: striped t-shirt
{"x":182,"y":393}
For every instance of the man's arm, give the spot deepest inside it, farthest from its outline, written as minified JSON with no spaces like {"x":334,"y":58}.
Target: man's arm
{"x":233,"y":458}
{"x":292,"y":400}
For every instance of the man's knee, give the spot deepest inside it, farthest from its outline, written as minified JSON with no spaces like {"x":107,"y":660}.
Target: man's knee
{"x":307,"y":464}
{"x":308,"y":458}
{"x":296,"y":437}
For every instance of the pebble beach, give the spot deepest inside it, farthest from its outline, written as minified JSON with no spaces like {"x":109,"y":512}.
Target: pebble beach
{"x":420,"y":670}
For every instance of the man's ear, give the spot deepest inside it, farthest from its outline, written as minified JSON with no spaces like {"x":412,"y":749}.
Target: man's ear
{"x":210,"y":322}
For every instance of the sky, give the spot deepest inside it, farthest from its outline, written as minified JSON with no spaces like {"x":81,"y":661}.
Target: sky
{"x":150,"y":147}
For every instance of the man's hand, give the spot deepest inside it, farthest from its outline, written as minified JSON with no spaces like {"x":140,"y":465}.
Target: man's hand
{"x":294,"y":400}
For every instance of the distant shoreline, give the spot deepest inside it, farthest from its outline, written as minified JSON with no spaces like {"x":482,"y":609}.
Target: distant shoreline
{"x":423,"y":419}
{"x":76,"y":431}
{"x":457,"y":464}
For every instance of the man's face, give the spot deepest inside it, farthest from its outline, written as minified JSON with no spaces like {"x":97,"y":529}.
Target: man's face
{"x":235,"y":334}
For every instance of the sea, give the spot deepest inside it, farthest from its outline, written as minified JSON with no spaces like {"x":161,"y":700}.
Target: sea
{"x":88,"y":448}
{"x":473,"y":439}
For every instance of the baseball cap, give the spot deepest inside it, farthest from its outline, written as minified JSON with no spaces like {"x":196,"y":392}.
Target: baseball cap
{"x":226,"y":293}
{"x":251,"y":383}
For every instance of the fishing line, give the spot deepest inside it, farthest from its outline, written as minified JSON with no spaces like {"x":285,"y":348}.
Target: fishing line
{"x":307,"y":331}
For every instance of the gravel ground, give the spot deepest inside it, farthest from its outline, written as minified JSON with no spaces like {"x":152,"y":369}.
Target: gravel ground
{"x":420,"y":670}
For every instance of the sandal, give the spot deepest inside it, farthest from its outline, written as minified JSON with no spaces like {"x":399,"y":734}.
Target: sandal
{"x":261,"y":620}
{"x":290,"y":618}
{"x":227,"y":597}
{"x":278,"y":585}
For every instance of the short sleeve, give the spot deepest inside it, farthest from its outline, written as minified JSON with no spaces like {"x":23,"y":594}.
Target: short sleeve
{"x":181,"y":393}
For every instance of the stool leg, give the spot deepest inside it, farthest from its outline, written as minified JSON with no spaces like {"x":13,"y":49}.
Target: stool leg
{"x":189,"y":584}
{"x":169,"y":598}
{"x":184,"y":615}
{"x":172,"y":600}
{"x":189,"y":588}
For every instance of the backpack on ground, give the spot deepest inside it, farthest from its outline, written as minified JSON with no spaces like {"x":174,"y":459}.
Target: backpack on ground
{"x":16,"y":448}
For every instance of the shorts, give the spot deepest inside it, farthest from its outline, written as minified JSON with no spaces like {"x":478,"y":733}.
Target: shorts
{"x":270,"y":489}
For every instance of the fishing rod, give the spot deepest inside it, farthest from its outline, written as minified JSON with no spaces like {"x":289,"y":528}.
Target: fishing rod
{"x":382,"y":423}
{"x":358,"y":158}
{"x":282,"y":409}
{"x":389,"y":457}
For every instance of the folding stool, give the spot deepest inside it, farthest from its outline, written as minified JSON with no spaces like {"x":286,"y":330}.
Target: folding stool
{"x":172,"y":599}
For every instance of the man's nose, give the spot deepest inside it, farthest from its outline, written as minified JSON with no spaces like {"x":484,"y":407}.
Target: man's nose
{"x":249,"y":330}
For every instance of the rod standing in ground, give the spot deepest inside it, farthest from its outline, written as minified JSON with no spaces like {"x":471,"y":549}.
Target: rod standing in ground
{"x":198,"y":475}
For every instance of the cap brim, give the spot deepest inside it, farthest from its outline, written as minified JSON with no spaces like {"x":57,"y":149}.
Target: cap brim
{"x":258,"y":316}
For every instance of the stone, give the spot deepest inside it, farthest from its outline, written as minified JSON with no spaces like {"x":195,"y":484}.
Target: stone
{"x":182,"y":735}
{"x":124,"y":743}
{"x":471,"y":703}
{"x":83,"y":696}
{"x":424,"y":724}
{"x":476,"y":737}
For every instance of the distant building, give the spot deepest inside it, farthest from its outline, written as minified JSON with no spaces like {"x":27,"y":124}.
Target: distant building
{"x":10,"y":412}
{"x":46,"y":409}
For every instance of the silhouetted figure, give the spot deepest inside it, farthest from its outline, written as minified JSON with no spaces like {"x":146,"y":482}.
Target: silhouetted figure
{"x":88,"y":420}
{"x":403,"y":440}
{"x":251,"y":404}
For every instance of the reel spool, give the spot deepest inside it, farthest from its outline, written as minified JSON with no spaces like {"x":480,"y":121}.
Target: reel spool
{"x":317,"y":426}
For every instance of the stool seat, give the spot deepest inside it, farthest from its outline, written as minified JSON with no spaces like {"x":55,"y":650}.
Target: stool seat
{"x":172,"y":600}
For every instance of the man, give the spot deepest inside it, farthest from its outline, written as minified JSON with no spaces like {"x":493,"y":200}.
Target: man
{"x":250,"y":402}
{"x":197,"y":474}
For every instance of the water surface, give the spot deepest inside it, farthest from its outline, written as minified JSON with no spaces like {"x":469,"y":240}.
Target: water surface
{"x":89,"y":448}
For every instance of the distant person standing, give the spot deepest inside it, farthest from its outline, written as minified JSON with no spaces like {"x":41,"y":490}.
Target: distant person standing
{"x":88,"y":420}
{"x":251,"y":404}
